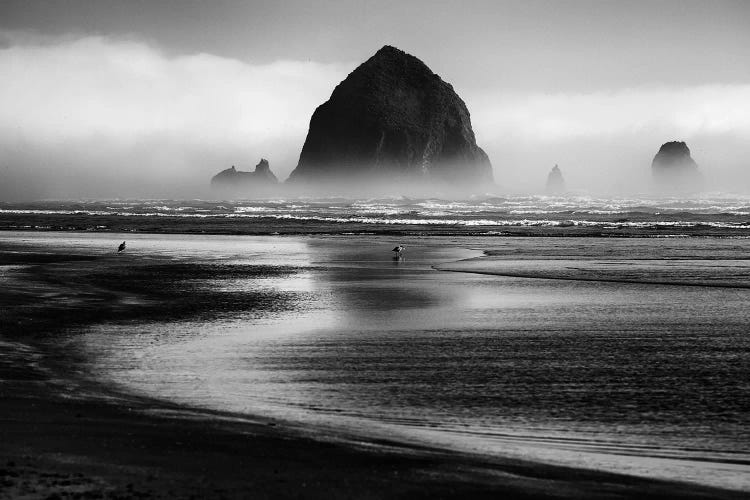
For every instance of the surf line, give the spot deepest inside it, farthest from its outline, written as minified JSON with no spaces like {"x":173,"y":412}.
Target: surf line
{"x":510,"y":274}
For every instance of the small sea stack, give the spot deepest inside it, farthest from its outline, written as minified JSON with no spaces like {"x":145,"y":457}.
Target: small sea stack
{"x":237,"y":182}
{"x":674,"y":170}
{"x":392,"y":120}
{"x":555,"y":181}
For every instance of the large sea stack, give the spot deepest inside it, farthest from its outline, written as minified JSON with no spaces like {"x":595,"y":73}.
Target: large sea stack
{"x":237,"y":182}
{"x":392,"y":119}
{"x":674,"y":170}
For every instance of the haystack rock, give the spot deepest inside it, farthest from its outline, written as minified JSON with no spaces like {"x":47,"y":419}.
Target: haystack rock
{"x":555,"y":181}
{"x":238,"y":181}
{"x":392,"y":119}
{"x":673,"y":169}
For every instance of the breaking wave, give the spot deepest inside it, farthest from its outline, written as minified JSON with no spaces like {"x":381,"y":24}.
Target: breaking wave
{"x":715,"y":212}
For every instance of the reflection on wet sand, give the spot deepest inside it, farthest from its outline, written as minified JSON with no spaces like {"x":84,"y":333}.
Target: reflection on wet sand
{"x":618,"y":376}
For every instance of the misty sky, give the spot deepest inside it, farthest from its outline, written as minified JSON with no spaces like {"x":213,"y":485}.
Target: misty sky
{"x":151,"y":98}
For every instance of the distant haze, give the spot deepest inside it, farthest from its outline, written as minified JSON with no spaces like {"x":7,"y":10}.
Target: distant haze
{"x":151,"y":99}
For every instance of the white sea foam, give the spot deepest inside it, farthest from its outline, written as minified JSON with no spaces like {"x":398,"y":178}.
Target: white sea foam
{"x":716,"y":211}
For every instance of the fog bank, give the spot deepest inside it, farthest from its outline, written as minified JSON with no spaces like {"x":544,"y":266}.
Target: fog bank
{"x":95,"y":116}
{"x":99,"y":117}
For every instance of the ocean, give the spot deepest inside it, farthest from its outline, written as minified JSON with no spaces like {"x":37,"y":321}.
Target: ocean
{"x":718,"y":214}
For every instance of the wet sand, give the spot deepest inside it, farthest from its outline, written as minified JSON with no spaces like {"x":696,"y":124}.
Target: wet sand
{"x":67,"y":435}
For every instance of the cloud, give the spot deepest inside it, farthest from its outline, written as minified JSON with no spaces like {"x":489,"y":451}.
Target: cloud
{"x":94,"y":86}
{"x":675,"y":111}
{"x":70,"y":95}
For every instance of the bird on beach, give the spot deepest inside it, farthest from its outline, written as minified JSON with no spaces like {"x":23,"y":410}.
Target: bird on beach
{"x":121,"y":247}
{"x":398,"y":249}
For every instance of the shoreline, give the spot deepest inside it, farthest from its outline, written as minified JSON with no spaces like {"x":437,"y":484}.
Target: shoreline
{"x":485,"y":269}
{"x":105,"y":442}
{"x":116,"y":450}
{"x":264,"y":226}
{"x":114,"y":445}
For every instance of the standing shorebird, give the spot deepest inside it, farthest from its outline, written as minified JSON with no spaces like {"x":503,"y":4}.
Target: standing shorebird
{"x":121,"y":247}
{"x":398,"y":250}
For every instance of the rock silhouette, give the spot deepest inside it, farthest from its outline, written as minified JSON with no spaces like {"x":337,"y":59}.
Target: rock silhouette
{"x":238,"y":181}
{"x":392,"y":118}
{"x":555,"y":181}
{"x":673,"y":169}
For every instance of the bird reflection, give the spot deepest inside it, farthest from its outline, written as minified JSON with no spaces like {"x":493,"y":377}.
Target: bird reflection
{"x":397,"y":253}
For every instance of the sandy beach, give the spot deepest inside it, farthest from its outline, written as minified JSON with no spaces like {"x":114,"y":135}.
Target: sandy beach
{"x":65,"y":434}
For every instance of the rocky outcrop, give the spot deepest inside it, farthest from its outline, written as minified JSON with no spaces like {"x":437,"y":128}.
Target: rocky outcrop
{"x":392,"y":119}
{"x":673,"y":169}
{"x":238,"y":181}
{"x":555,"y":181}
{"x":263,"y":171}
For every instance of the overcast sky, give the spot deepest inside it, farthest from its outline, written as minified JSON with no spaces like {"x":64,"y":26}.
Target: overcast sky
{"x":105,"y":98}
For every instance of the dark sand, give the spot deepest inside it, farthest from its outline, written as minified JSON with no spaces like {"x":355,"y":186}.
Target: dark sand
{"x":63,"y":435}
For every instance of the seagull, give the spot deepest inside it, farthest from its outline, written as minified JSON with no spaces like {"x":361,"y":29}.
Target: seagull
{"x":121,"y":247}
{"x":398,"y":249}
